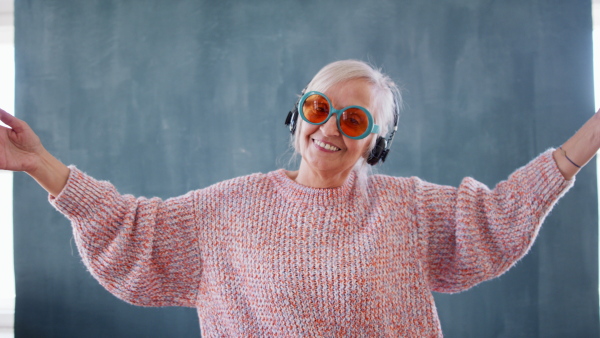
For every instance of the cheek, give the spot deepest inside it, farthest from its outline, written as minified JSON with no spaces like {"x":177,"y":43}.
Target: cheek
{"x":303,"y":131}
{"x":307,"y":129}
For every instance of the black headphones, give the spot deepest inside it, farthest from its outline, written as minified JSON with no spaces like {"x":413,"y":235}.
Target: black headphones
{"x":382,"y":145}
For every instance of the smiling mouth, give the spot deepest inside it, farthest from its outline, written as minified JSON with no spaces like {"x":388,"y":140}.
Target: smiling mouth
{"x":326,"y":146}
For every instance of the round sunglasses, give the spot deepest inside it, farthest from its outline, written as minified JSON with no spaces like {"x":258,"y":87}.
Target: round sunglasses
{"x":354,"y":122}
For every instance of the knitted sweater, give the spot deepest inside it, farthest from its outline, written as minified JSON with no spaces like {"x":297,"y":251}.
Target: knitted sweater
{"x":262,"y":256}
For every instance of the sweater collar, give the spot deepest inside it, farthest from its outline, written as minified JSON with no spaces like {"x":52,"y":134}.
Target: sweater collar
{"x":322,"y":196}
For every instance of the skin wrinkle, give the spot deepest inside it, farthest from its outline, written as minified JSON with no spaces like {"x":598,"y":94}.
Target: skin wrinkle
{"x":325,"y":169}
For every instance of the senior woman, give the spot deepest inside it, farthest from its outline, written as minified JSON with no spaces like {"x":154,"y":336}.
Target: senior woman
{"x":322,"y":251}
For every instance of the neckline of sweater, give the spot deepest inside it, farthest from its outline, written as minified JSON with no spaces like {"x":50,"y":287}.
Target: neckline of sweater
{"x":324,"y":196}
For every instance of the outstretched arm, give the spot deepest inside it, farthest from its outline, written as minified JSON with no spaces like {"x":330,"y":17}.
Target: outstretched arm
{"x":580,"y":148}
{"x":22,"y":150}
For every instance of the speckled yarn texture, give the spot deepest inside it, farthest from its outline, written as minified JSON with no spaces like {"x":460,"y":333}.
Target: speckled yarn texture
{"x":261,"y":256}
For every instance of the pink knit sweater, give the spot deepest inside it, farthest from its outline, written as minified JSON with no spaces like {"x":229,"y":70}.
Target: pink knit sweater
{"x":262,"y":256}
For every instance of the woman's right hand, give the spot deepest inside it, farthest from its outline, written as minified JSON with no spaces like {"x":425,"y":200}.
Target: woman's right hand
{"x":20,"y":147}
{"x":22,"y":150}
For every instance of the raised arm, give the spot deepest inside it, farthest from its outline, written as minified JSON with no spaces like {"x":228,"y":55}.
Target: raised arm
{"x":473,"y":233}
{"x":579,"y":149}
{"x":22,"y":150}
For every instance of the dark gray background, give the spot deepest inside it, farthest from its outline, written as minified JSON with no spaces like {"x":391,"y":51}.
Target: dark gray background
{"x":161,"y":97}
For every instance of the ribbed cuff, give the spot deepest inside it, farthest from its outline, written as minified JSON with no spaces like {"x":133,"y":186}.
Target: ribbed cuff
{"x":552,"y":184}
{"x":81,"y":195}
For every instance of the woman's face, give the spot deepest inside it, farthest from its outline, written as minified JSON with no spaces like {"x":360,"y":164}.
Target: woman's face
{"x":323,"y":148}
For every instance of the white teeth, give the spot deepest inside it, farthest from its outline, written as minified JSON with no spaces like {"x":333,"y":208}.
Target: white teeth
{"x":326,"y":146}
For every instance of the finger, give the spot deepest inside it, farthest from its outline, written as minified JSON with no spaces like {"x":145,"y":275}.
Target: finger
{"x":11,"y":121}
{"x":5,"y":116}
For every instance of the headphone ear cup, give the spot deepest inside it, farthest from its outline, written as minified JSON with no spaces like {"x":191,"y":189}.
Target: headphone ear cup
{"x":292,"y":119}
{"x":377,"y":151}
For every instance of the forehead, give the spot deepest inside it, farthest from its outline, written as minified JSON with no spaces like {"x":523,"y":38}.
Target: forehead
{"x":356,"y":92}
{"x":348,"y":93}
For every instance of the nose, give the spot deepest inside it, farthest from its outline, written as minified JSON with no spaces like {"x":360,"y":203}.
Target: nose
{"x":330,"y":128}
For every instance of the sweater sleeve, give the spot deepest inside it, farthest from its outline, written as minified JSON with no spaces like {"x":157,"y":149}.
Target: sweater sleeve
{"x":471,"y":234}
{"x":144,"y":251}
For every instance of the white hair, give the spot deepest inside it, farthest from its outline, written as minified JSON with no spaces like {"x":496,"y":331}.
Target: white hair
{"x":385,"y":100}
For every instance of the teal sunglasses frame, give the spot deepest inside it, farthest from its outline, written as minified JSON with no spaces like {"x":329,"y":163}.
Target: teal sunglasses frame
{"x":372,"y":128}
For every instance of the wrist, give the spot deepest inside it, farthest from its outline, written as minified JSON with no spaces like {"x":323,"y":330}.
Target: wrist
{"x":50,"y":173}
{"x":566,"y":168}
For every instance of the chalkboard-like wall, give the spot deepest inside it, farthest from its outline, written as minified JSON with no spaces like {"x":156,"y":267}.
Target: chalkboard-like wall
{"x":161,"y":97}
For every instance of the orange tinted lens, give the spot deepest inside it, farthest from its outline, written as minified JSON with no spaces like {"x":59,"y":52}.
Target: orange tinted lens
{"x":315,"y":108}
{"x":354,"y":122}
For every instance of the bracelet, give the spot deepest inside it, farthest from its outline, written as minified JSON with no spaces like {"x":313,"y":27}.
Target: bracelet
{"x":567,"y":157}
